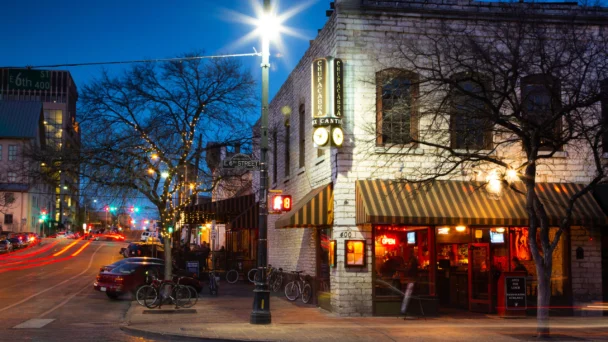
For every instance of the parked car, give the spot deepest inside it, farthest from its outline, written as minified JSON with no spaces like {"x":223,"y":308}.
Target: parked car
{"x":142,"y":249}
{"x":5,"y":246}
{"x":147,"y":234}
{"x":16,"y":242}
{"x":108,"y":268}
{"x":61,"y":235}
{"x":130,"y":276}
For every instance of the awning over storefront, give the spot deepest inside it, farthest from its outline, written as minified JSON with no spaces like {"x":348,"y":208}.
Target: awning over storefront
{"x":222,"y":211}
{"x":316,"y":209}
{"x":467,"y":203}
{"x":249,"y":219}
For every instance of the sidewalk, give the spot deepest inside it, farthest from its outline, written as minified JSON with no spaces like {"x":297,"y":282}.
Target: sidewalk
{"x":227,"y":318}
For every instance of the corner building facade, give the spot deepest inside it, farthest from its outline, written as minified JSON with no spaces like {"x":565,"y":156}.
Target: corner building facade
{"x":362,"y":238}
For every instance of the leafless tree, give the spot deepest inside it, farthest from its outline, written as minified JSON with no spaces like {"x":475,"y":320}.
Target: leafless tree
{"x":143,"y":131}
{"x":505,"y":95}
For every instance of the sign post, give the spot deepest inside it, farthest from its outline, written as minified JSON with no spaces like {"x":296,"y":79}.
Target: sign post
{"x":241,"y":161}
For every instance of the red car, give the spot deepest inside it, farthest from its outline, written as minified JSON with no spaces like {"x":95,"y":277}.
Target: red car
{"x":130,"y":276}
{"x":108,"y":268}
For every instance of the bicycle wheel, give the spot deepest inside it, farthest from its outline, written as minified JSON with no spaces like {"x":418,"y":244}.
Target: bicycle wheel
{"x":181,"y":296}
{"x":291,"y":291}
{"x":253,"y":276}
{"x":306,"y":293}
{"x":278,"y":281}
{"x":152,"y":299}
{"x":143,"y":292}
{"x":232,"y":276}
{"x":193,"y":297}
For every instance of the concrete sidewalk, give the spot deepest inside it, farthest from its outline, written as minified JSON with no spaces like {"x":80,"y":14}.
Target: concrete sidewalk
{"x":227,"y":318}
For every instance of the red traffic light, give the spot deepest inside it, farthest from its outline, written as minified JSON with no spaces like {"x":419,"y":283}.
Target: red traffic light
{"x":281,"y":203}
{"x":106,"y":208}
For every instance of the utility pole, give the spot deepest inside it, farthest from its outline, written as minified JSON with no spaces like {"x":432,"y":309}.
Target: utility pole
{"x":261,"y":299}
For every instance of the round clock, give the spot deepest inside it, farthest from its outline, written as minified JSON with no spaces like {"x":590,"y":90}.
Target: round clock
{"x":320,"y":136}
{"x":338,"y":136}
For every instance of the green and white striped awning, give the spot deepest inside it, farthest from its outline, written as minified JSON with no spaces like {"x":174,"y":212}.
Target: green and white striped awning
{"x":466,"y":203}
{"x":316,"y":209}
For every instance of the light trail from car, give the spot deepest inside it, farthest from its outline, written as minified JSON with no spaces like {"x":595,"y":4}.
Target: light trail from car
{"x":66,"y":248}
{"x":52,"y":261}
{"x":81,"y":248}
{"x":22,"y":256}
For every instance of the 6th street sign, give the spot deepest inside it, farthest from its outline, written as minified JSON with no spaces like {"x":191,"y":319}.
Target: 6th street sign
{"x":241,"y":161}
{"x":24,"y":79}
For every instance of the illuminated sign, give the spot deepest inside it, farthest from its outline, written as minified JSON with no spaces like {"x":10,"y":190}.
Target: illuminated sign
{"x":319,"y":87}
{"x":388,"y":241}
{"x":282,"y":203}
{"x":338,"y":88}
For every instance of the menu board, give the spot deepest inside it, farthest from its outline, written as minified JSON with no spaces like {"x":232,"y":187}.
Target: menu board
{"x":355,"y":252}
{"x":515,"y":293}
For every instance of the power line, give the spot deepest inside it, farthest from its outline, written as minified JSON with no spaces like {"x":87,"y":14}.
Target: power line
{"x":142,"y":61}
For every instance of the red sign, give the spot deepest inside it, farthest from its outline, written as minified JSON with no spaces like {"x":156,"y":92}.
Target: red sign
{"x":281,"y":203}
{"x":388,"y":241}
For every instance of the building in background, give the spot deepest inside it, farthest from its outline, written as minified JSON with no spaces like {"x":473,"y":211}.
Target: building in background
{"x":25,"y":198}
{"x":356,"y":233}
{"x":58,"y":94}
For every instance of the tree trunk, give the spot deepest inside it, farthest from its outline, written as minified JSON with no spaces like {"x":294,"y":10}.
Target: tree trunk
{"x":543,"y":301}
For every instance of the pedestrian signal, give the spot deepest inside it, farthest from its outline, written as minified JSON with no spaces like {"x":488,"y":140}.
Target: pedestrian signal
{"x":281,"y":203}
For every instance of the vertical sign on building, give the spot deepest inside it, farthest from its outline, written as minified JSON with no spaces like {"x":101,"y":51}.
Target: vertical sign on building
{"x":338,"y":89}
{"x":327,"y":80}
{"x":319,"y":87}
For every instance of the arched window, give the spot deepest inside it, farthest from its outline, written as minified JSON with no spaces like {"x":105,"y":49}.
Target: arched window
{"x":470,"y":120}
{"x":396,"y":107}
{"x":540,"y":94}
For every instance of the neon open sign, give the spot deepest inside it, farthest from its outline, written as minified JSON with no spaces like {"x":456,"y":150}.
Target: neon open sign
{"x":388,"y":241}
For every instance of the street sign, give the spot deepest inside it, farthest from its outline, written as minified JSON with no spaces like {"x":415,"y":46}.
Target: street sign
{"x":241,"y":161}
{"x":25,"y":79}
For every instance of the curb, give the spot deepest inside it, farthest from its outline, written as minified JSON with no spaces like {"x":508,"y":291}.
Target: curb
{"x":151,"y":334}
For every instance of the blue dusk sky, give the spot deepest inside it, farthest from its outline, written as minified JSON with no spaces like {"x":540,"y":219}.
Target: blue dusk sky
{"x":42,"y":32}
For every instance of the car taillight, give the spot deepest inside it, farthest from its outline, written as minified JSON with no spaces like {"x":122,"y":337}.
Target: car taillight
{"x":98,"y":277}
{"x":118,"y":280}
{"x":102,"y":269}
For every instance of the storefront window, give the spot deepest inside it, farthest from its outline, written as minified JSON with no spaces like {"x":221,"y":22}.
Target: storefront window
{"x":355,"y":252}
{"x":401,"y":256}
{"x":326,"y":259}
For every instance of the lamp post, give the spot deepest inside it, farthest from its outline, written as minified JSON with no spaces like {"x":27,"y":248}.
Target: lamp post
{"x":261,"y":293}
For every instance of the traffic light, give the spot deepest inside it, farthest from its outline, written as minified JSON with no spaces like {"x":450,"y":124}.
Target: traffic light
{"x":132,"y":209}
{"x":43,"y":215}
{"x":281,"y":203}
{"x":106,"y":208}
{"x":112,"y":209}
{"x":170,"y":230}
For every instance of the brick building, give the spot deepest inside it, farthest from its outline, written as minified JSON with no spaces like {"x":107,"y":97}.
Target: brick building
{"x":349,"y":220}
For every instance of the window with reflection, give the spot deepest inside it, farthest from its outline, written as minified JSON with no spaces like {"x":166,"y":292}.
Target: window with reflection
{"x":541,"y":102}
{"x":469,"y":120}
{"x":396,"y":106}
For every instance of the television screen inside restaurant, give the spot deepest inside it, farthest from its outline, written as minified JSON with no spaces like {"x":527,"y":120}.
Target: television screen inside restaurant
{"x":411,"y":238}
{"x":496,"y":237}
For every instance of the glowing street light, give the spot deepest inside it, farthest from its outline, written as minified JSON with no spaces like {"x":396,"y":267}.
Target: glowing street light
{"x":268,"y":28}
{"x":165,"y":174}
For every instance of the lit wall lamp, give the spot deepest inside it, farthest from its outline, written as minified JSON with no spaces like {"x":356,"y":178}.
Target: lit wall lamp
{"x":443,"y":230}
{"x":478,"y":234}
{"x":500,"y":230}
{"x":461,"y":228}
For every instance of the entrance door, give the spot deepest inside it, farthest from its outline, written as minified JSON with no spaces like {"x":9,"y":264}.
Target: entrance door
{"x":480,"y":289}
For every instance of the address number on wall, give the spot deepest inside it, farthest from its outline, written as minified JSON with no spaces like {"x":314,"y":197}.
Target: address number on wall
{"x":346,"y":234}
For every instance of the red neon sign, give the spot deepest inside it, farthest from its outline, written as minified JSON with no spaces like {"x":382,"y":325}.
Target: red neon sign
{"x":388,"y":241}
{"x":281,"y":203}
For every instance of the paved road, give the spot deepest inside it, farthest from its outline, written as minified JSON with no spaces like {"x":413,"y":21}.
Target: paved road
{"x":46,"y":294}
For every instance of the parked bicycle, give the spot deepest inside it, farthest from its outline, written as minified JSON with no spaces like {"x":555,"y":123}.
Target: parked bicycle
{"x":214,"y":286}
{"x":274,"y":277}
{"x":233,"y":275}
{"x":298,"y":287}
{"x":158,"y":291}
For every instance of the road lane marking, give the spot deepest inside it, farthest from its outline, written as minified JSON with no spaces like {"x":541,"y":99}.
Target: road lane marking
{"x":88,"y":286}
{"x":52,"y":287}
{"x":66,"y":248}
{"x":81,"y":248}
{"x":34,"y":323}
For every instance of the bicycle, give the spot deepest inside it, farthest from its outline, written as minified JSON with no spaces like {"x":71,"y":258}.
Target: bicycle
{"x":274,"y":277}
{"x":179,"y":295}
{"x":298,"y":287}
{"x":232,"y":276}
{"x":152,"y":287}
{"x":214,"y":286}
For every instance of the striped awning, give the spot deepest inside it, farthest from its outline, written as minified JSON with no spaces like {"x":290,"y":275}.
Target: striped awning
{"x":249,"y":219}
{"x":222,"y":211}
{"x":467,"y":203}
{"x":316,"y":209}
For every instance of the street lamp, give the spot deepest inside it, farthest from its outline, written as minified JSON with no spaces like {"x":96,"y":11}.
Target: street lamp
{"x":268,"y":26}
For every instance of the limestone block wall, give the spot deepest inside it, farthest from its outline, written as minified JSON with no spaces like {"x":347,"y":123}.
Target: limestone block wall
{"x":586,"y":272}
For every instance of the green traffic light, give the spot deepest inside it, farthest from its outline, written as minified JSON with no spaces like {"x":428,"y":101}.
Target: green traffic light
{"x":170,"y":230}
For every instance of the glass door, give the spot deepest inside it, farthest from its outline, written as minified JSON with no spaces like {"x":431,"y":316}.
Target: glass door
{"x":480,"y":289}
